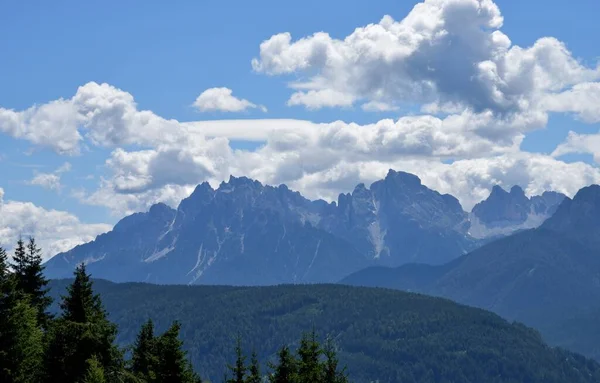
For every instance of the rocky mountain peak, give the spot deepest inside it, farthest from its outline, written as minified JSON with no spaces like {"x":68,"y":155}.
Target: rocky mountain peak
{"x":589,"y":195}
{"x":240,"y":182}
{"x":160,"y":210}
{"x":505,"y":212}
{"x":403,"y":180}
{"x":201,"y":197}
{"x":503,"y":208}
{"x":579,"y":216}
{"x":361,"y":192}
{"x":497,"y":191}
{"x":517,"y":191}
{"x":202,"y":192}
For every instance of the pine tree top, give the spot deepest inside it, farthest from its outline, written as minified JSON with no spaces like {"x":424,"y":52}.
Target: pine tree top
{"x":30,"y":279}
{"x":81,"y":304}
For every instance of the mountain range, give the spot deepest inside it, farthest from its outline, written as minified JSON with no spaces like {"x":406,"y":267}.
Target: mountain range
{"x":247,"y":233}
{"x":548,"y":277}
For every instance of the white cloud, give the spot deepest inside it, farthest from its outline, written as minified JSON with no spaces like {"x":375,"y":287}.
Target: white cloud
{"x":100,"y":113}
{"x":580,"y":143}
{"x":47,"y":181}
{"x":54,"y":230}
{"x":50,"y":181}
{"x":222,"y":100}
{"x":378,"y":106}
{"x":110,"y":118}
{"x":442,"y":52}
{"x":122,"y":204}
{"x":583,"y":100}
{"x":248,"y":130}
{"x":317,"y":99}
{"x":52,"y":125}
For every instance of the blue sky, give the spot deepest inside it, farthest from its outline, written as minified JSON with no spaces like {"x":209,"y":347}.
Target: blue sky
{"x":165,"y":55}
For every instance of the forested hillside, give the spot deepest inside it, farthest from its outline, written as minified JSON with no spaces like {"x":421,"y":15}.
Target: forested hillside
{"x":380,"y":334}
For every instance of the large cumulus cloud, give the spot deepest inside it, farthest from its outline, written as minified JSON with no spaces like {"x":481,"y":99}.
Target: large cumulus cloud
{"x":444,"y":52}
{"x":98,"y":113}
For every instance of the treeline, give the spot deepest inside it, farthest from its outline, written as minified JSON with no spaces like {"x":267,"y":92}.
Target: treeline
{"x":78,"y":345}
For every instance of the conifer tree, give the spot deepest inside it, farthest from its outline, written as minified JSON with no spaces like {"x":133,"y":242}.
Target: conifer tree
{"x":144,"y":359}
{"x":81,"y":305}
{"x":173,"y":365}
{"x":19,"y":264}
{"x":254,"y":370}
{"x":81,"y":332}
{"x":28,"y":271}
{"x":239,"y":369}
{"x":309,"y":364}
{"x":285,"y":371}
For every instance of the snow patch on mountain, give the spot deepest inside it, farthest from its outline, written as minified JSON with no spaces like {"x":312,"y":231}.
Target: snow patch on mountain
{"x":313,"y":259}
{"x":92,"y":259}
{"x":377,"y":238}
{"x":159,"y":254}
{"x":479,"y":230}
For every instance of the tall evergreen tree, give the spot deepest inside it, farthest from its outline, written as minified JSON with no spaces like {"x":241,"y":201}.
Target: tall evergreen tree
{"x":309,"y":364}
{"x":239,"y":369}
{"x":144,"y":359}
{"x":81,"y":332}
{"x":173,"y":365}
{"x":28,"y":271}
{"x":285,"y":371}
{"x":19,"y":264}
{"x":81,"y":305}
{"x":254,"y":370}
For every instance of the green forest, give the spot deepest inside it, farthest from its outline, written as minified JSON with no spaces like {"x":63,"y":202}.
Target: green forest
{"x":380,"y":335}
{"x":78,"y":344}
